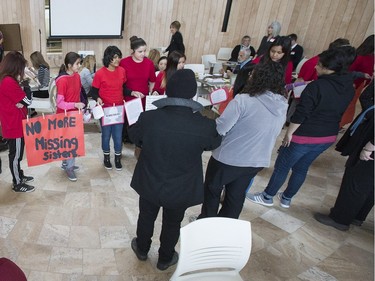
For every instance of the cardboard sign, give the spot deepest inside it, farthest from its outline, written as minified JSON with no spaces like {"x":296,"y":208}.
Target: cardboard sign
{"x":53,"y":137}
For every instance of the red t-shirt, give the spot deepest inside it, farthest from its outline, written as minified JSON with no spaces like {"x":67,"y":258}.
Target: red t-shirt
{"x":158,"y":82}
{"x":110,"y":85}
{"x":138,"y":74}
{"x":308,"y":71}
{"x":69,"y":86}
{"x":288,"y":70}
{"x":11,"y":117}
{"x":363,"y":64}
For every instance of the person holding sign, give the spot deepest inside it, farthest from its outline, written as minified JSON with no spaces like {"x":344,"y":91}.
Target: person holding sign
{"x":13,"y":103}
{"x":108,"y":89}
{"x":169,"y":171}
{"x":69,"y":88}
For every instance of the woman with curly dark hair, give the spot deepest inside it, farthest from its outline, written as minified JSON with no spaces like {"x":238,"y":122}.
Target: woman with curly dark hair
{"x":249,"y":125}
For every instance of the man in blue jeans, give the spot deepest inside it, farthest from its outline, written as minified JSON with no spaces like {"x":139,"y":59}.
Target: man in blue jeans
{"x":314,"y":125}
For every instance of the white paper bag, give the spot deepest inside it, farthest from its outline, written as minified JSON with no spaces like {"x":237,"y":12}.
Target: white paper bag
{"x":98,"y":112}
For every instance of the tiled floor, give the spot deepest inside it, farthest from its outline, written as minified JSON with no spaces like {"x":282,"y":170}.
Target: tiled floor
{"x":81,"y":231}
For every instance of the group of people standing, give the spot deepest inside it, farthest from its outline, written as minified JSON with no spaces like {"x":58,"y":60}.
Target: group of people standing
{"x":169,"y":172}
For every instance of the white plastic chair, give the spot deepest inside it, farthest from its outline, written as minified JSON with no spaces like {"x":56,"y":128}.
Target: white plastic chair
{"x":43,"y":104}
{"x":197,"y":68}
{"x":224,"y":54}
{"x":300,"y":64}
{"x":213,"y":249}
{"x":208,"y":60}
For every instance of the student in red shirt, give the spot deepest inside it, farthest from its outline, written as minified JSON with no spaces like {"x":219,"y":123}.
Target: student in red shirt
{"x":13,"y":103}
{"x":69,"y":89}
{"x":140,"y":71}
{"x":175,"y":61}
{"x":108,"y":89}
{"x":364,"y":62}
{"x":140,"y":74}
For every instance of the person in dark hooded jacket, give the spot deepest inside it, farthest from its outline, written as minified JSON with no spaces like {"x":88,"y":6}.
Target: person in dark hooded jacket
{"x":169,"y":172}
{"x":314,"y":125}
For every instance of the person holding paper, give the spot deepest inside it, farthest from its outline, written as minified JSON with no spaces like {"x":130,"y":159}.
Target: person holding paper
{"x":169,"y":172}
{"x":249,"y":125}
{"x":108,"y":89}
{"x":13,"y":103}
{"x":140,"y":72}
{"x":69,"y":89}
{"x":314,"y":125}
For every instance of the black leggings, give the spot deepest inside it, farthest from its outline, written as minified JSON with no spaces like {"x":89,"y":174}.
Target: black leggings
{"x":16,"y":148}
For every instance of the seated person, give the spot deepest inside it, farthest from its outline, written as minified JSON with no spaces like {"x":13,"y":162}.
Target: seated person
{"x":296,"y":51}
{"x":42,"y":73}
{"x":176,"y":61}
{"x":87,"y":72}
{"x":242,"y":70}
{"x":154,"y":55}
{"x":245,"y":44}
{"x":162,"y":64}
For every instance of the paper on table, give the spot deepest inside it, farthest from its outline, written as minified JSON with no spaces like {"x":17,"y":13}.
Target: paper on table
{"x":215,"y":80}
{"x":297,"y":91}
{"x":151,"y":99}
{"x":218,"y":96}
{"x":133,"y":109}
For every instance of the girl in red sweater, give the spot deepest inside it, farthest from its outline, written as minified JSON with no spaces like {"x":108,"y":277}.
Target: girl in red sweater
{"x":69,"y":88}
{"x":13,"y":103}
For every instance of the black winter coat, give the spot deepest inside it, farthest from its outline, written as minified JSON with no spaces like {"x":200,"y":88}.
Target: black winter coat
{"x":169,"y":171}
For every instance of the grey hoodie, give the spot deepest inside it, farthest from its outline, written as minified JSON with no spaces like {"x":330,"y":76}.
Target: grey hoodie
{"x":250,"y":126}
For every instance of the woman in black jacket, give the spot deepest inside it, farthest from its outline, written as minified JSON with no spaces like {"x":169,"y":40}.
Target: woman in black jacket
{"x":177,"y":42}
{"x":356,"y":196}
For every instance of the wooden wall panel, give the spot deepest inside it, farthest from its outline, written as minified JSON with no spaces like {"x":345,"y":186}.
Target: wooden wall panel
{"x":316,"y":22}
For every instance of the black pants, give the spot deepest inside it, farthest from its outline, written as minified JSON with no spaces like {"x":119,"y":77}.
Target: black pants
{"x":235,"y":179}
{"x":16,"y":148}
{"x":356,"y":196}
{"x":41,"y":94}
{"x":170,"y":231}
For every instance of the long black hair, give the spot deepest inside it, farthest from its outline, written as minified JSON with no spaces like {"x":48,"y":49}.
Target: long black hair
{"x":367,"y":46}
{"x":266,"y":77}
{"x":172,"y":63}
{"x":285,"y":43}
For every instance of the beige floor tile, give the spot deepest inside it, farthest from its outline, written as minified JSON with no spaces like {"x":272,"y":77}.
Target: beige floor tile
{"x":81,"y":231}
{"x":99,"y":262}
{"x":66,"y":260}
{"x":84,"y":237}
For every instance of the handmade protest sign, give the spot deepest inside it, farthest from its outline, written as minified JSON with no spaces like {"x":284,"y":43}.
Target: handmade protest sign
{"x":53,"y":137}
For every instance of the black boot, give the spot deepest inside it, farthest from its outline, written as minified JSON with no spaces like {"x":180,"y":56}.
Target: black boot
{"x":107,"y":161}
{"x":118,"y":164}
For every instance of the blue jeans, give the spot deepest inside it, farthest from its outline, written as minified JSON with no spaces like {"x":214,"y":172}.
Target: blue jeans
{"x":297,"y":157}
{"x":116,"y":132}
